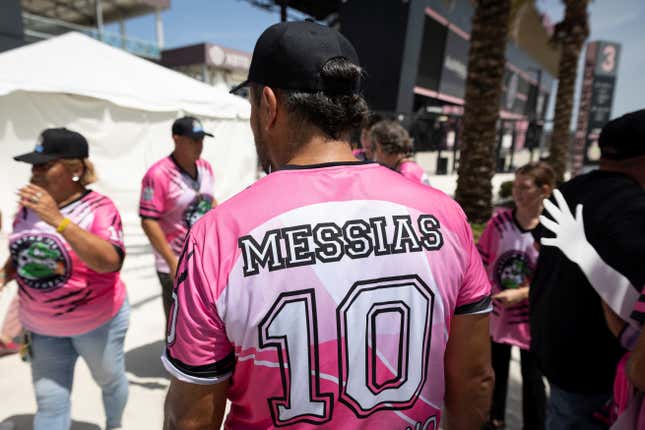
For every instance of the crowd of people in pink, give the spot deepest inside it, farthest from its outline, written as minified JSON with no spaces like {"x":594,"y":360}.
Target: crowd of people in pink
{"x":341,"y":290}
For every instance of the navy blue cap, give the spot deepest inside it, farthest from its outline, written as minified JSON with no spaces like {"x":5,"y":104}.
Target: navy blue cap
{"x":189,"y":126}
{"x":54,"y":144}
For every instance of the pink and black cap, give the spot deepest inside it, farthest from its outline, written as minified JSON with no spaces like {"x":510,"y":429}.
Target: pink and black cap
{"x":624,"y":137}
{"x":291,"y":55}
{"x":190,"y":127}
{"x":54,"y":144}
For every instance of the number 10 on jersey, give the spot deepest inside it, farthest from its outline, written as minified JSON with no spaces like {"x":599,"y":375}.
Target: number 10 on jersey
{"x":291,"y":326}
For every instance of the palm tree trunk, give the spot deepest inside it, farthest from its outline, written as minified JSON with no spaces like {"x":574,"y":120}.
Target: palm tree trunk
{"x":561,"y":137}
{"x":486,"y":63}
{"x":570,"y":34}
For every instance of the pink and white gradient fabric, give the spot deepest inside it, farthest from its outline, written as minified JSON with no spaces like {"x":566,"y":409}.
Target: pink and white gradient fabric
{"x":327,"y":292}
{"x":627,"y":399}
{"x":413,"y":172}
{"x":59,"y":294}
{"x":510,"y":258}
{"x":176,"y":200}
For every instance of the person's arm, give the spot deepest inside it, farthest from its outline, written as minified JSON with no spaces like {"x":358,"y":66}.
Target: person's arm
{"x":467,"y":360}
{"x":512,"y":296}
{"x":152,"y":205}
{"x":615,"y":324}
{"x":636,"y":364}
{"x":198,"y":354}
{"x":194,"y":407}
{"x":98,"y":254}
{"x":469,"y":375}
{"x":157,"y":239}
{"x":612,"y":286}
{"x":7,"y":273}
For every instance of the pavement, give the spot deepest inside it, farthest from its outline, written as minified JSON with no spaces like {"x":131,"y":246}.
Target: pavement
{"x":148,"y":379}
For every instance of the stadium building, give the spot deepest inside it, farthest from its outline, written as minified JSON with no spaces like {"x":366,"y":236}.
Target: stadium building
{"x":27,"y":21}
{"x":415,"y":53}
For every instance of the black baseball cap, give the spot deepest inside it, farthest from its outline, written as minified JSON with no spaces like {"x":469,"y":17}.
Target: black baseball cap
{"x":54,"y":144}
{"x":623,"y":137}
{"x":190,"y":127}
{"x":291,"y":55}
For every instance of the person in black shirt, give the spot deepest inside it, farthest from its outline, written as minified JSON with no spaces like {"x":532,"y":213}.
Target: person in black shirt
{"x":575,"y":349}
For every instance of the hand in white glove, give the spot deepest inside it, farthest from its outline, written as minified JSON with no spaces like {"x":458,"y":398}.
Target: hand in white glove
{"x":569,"y":232}
{"x":612,"y":286}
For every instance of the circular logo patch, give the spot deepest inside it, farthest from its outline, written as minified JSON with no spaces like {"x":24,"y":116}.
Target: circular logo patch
{"x":41,"y":261}
{"x":197,"y":208}
{"x":513,"y":269}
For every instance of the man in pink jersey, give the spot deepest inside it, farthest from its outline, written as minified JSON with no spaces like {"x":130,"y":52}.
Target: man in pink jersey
{"x":336,"y":293}
{"x":175,"y":192}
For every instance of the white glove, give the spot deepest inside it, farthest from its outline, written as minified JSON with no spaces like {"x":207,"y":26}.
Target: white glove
{"x":614,"y":288}
{"x":569,"y":232}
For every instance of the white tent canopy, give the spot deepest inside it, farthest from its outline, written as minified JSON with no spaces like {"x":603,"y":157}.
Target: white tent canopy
{"x":77,"y":64}
{"x":124,"y":106}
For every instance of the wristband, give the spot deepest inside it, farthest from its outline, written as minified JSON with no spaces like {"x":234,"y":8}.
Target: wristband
{"x":63,"y":225}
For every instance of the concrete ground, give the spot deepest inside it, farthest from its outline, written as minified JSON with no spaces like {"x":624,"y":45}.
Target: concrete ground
{"x":148,"y":379}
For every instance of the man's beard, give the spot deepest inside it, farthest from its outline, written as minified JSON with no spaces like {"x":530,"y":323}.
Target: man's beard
{"x":263,"y":156}
{"x":261,"y":150}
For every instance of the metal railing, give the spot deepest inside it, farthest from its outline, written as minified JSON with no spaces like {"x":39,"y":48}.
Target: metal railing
{"x":40,"y":28}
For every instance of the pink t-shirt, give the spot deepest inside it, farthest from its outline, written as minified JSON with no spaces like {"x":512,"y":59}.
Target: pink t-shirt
{"x":176,"y":200}
{"x":414,"y":172}
{"x":510,"y":258}
{"x":59,"y":294}
{"x":327,"y":292}
{"x":624,"y":392}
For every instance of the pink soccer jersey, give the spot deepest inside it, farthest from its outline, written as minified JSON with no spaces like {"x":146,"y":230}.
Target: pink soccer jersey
{"x":510,"y":258}
{"x":59,"y":294}
{"x":414,"y":172}
{"x":176,"y":200}
{"x":624,"y":391}
{"x":327,"y":292}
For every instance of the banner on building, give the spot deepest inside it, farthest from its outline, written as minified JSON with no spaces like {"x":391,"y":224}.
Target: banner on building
{"x":596,"y":100}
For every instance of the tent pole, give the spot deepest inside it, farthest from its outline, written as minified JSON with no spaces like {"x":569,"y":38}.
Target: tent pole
{"x":159,"y":25}
{"x":122,"y":32}
{"x":99,"y":18}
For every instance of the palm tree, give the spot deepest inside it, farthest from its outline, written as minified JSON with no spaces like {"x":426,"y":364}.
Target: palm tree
{"x":570,"y":35}
{"x":486,"y":63}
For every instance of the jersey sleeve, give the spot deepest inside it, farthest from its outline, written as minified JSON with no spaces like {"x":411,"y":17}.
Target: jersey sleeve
{"x":198,"y":350}
{"x":153,"y":195}
{"x":108,"y":226}
{"x":475,"y":293}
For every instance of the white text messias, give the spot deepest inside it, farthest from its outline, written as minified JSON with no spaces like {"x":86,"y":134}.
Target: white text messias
{"x":306,"y":244}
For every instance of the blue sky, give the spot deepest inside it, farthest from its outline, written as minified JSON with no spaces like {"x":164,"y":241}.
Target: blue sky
{"x":231,"y":23}
{"x":616,"y":21}
{"x":237,"y":24}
